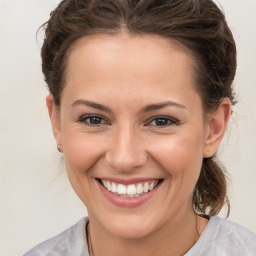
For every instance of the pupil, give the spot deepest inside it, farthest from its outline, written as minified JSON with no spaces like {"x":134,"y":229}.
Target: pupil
{"x":161,"y":122}
{"x":95,"y":120}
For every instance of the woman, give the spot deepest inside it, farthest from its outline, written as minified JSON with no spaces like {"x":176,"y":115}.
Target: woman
{"x":140,"y":97}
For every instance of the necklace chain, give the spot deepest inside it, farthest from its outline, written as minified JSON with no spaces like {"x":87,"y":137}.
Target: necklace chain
{"x":89,"y":240}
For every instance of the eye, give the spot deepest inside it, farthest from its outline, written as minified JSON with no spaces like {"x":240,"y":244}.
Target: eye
{"x":162,"y":121}
{"x":92,"y":120}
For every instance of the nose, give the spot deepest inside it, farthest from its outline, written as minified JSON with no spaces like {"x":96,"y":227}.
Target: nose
{"x":125,"y":150}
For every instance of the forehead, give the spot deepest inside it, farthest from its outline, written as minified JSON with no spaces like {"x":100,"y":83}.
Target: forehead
{"x":148,"y":65}
{"x":127,"y":47}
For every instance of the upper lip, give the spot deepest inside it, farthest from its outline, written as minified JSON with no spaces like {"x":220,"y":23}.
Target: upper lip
{"x":128,"y":181}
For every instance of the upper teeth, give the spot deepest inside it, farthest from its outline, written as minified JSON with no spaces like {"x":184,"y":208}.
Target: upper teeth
{"x":129,"y":190}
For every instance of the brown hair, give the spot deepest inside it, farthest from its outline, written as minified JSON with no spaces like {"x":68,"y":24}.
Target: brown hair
{"x":198,"y":25}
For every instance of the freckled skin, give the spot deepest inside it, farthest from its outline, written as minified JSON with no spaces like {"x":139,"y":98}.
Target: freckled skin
{"x":125,"y":74}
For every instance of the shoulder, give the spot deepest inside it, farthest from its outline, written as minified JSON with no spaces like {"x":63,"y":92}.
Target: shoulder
{"x":231,"y":232}
{"x":224,"y":237}
{"x":233,"y":228}
{"x":70,"y":242}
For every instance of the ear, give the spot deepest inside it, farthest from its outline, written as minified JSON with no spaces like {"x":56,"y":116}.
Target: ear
{"x":55,"y":119}
{"x":217,"y":124}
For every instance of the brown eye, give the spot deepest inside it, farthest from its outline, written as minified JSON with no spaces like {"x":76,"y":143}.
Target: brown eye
{"x":92,"y":120}
{"x":162,"y":121}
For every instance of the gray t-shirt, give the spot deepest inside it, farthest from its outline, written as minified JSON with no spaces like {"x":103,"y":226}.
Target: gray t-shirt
{"x":220,"y":238}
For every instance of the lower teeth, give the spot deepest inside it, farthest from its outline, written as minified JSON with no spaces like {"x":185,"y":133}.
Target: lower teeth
{"x":136,"y":195}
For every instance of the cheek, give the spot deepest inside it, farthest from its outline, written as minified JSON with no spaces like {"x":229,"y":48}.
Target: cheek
{"x":180,"y":154}
{"x":82,"y":151}
{"x":181,"y":159}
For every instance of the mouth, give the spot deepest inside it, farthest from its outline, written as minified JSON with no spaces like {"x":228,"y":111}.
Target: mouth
{"x":131,"y":190}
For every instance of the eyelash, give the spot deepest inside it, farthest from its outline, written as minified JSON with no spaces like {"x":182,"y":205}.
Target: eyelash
{"x":84,"y":119}
{"x":88,"y":119}
{"x":169,"y":121}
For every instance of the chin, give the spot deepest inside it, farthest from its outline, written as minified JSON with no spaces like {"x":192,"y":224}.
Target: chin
{"x":129,"y":232}
{"x":130,"y":227}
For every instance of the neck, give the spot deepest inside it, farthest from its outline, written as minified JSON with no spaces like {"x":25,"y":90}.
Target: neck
{"x":173,"y":239}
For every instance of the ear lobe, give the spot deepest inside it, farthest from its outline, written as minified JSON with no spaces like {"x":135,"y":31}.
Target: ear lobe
{"x":217,"y":121}
{"x":54,"y":117}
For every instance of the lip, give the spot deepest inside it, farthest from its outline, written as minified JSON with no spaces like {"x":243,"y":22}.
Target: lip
{"x":128,"y":202}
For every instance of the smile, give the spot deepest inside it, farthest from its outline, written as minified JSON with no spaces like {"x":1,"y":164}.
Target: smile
{"x":131,"y":190}
{"x":128,"y":193}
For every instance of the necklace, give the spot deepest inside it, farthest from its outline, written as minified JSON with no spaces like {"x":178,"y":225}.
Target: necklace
{"x":89,"y":240}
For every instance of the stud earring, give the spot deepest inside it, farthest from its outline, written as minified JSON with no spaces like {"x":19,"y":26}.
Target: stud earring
{"x":58,"y":147}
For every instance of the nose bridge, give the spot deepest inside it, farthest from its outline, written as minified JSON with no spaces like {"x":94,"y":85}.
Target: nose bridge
{"x":126,"y":150}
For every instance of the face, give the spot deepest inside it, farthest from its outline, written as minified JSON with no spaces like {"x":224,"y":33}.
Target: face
{"x":132,"y":130}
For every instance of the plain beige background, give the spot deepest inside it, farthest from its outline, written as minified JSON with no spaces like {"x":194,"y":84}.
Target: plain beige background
{"x":36,"y":199}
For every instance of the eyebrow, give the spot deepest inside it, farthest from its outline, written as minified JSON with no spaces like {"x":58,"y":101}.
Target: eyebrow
{"x":92,"y":105}
{"x":157,"y":106}
{"x":148,"y":108}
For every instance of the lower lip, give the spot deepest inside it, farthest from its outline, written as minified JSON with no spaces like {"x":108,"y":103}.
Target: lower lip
{"x":128,"y":202}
